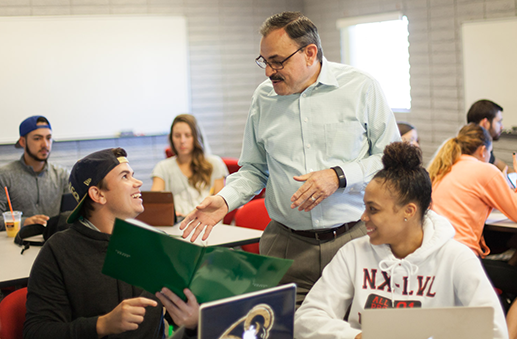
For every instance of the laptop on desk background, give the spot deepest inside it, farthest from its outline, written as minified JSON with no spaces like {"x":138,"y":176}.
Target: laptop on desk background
{"x":158,"y":209}
{"x":265,"y":314}
{"x":427,"y":323}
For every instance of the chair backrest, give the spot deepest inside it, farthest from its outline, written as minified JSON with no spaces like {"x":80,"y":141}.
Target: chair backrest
{"x":233,"y":166}
{"x":252,"y":215}
{"x":168,"y":152}
{"x":231,"y":163}
{"x":12,"y":314}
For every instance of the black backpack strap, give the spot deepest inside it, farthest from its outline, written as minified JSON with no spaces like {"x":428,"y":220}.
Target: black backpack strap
{"x":27,"y":232}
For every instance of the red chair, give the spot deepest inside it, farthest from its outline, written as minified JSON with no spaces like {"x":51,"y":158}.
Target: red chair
{"x":232,"y":164}
{"x":253,"y":215}
{"x":229,"y":217}
{"x":168,"y":152}
{"x":12,"y":314}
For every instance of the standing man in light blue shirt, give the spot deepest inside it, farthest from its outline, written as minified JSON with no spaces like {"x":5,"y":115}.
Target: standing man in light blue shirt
{"x":314,"y":138}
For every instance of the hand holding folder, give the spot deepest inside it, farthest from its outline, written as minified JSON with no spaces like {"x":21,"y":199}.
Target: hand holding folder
{"x":151,"y":259}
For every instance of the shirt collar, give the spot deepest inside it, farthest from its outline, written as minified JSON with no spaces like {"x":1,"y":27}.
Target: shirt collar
{"x":325,"y":78}
{"x":30,"y":169}
{"x":88,"y":223}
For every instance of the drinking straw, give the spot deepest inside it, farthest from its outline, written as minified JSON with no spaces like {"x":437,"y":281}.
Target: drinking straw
{"x":9,"y":201}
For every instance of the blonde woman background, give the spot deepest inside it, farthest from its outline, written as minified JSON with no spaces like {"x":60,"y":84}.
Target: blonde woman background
{"x":466,"y":187}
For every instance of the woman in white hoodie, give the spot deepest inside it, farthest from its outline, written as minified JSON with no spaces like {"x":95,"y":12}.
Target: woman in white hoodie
{"x":408,"y":257}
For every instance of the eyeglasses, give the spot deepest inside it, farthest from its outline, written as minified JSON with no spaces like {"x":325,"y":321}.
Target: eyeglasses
{"x":276,"y":65}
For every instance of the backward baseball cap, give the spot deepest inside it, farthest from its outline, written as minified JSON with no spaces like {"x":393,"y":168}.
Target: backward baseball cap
{"x":89,"y":171}
{"x":30,"y":124}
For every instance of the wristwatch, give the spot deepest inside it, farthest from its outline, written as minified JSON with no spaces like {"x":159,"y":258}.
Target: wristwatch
{"x":341,"y":176}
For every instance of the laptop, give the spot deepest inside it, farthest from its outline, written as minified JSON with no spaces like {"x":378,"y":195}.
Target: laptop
{"x":265,"y":314}
{"x":427,"y":323}
{"x":158,"y":209}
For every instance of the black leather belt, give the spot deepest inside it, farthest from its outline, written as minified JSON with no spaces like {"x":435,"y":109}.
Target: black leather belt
{"x":329,"y":234}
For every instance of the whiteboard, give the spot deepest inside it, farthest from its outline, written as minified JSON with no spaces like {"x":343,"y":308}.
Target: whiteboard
{"x":490,"y":64}
{"x":93,"y":76}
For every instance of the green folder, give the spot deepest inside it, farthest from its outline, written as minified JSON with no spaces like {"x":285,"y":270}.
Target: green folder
{"x":149,"y":258}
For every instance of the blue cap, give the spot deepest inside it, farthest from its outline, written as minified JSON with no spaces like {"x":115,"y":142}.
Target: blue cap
{"x":30,"y":124}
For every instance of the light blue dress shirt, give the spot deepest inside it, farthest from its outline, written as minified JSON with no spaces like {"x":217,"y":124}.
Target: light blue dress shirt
{"x":343,"y":119}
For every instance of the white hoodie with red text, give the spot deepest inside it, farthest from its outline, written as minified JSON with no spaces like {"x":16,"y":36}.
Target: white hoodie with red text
{"x":440,"y":273}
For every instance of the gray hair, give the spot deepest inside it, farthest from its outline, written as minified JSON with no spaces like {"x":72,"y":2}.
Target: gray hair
{"x":297,"y":26}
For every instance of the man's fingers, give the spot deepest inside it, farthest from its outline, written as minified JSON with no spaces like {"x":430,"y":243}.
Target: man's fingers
{"x":188,"y":219}
{"x":204,"y":204}
{"x":310,"y":203}
{"x":303,"y":199}
{"x":208,"y":229}
{"x":133,"y":319}
{"x":199,"y":229}
{"x":302,"y":177}
{"x":170,"y":300}
{"x":169,"y":294}
{"x":302,"y":194}
{"x":37,"y":219}
{"x":313,"y":203}
{"x":190,"y":227}
{"x":141,"y":301}
{"x":190,"y":296}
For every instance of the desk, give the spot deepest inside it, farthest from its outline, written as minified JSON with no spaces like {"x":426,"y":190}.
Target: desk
{"x":15,"y":268}
{"x":497,"y":221}
{"x":221,"y":235}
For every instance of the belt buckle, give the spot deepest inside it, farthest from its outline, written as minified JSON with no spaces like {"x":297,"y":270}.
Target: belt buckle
{"x":335,"y":234}
{"x":316,"y":236}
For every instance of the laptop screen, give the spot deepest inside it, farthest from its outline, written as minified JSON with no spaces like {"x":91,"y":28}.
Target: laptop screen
{"x":158,"y":209}
{"x":264,"y":314}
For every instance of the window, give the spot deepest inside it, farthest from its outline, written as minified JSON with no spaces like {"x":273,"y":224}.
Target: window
{"x":379,"y":45}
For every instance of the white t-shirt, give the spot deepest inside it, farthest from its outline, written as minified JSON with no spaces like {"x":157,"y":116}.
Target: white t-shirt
{"x":186,"y":197}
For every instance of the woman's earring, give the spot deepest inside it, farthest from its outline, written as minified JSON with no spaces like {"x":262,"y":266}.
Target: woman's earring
{"x":405,"y":219}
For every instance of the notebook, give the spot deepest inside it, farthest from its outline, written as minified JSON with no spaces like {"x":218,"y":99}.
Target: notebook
{"x":158,"y":209}
{"x":426,"y":323}
{"x":265,"y":314}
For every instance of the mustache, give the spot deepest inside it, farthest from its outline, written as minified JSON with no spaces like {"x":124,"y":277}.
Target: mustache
{"x":276,"y":77}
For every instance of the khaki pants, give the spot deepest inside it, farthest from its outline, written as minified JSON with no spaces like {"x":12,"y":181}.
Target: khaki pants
{"x":310,"y":255}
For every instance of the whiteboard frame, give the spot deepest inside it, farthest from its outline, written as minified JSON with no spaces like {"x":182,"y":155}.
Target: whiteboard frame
{"x":94,"y":76}
{"x":489,"y":64}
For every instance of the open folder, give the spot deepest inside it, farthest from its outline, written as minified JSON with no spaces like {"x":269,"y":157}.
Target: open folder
{"x":151,"y":259}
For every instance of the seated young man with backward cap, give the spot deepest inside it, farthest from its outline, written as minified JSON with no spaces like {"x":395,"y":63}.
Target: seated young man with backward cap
{"x":68,"y":296}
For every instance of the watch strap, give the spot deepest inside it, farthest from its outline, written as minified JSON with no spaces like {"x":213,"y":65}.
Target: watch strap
{"x":340,"y":175}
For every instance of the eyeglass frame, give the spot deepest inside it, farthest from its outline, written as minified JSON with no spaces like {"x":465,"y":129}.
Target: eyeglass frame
{"x":266,"y":63}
